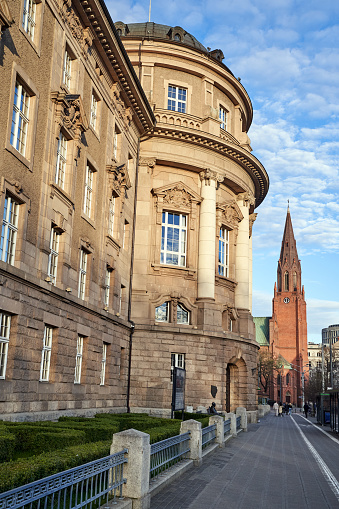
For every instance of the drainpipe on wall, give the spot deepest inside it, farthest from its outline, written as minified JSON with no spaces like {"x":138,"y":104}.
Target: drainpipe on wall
{"x":130,"y":284}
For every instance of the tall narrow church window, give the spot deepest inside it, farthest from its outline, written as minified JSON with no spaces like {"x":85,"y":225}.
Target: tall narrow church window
{"x":294,"y":280}
{"x":286,"y":281}
{"x":279,"y":281}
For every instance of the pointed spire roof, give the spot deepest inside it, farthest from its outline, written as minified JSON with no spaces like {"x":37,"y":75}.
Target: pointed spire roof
{"x":288,"y":253}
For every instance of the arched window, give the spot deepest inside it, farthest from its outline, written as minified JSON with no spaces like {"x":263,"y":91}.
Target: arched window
{"x":294,"y":281}
{"x":177,"y":38}
{"x":162,"y":312}
{"x":287,"y":379}
{"x":286,"y":281}
{"x":183,"y":316}
{"x":119,"y":32}
{"x":279,"y":281}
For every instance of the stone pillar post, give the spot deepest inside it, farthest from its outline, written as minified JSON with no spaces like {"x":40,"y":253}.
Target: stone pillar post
{"x":137,"y":469}
{"x":194,"y":427}
{"x":219,"y":421}
{"x":242,"y":268}
{"x":231,"y":415}
{"x":206,"y":257}
{"x":252,"y":218}
{"x":241,"y":411}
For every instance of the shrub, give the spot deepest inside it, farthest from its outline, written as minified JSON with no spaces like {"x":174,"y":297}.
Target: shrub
{"x":7,"y":445}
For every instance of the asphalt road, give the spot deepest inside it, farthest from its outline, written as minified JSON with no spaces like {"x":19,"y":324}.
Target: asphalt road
{"x":282,"y":462}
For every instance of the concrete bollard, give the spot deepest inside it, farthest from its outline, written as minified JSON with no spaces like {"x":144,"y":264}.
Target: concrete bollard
{"x":231,"y":415}
{"x":241,"y":411}
{"x":219,"y":421}
{"x":194,"y":427}
{"x":137,"y":469}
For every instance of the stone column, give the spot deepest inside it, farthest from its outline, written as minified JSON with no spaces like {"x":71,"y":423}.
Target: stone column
{"x":219,"y":421}
{"x":252,"y":218}
{"x":231,"y":415}
{"x":137,"y":469}
{"x":206,"y":256}
{"x":241,"y":411}
{"x":194,"y":427}
{"x":242,"y":267}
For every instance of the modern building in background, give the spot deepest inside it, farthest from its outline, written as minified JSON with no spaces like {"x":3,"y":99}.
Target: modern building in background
{"x":128,"y":191}
{"x":286,"y":335}
{"x":330,"y":335}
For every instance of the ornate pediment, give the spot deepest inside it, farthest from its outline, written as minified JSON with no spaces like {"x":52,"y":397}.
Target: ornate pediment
{"x":118,"y":178}
{"x":84,"y":36}
{"x":6,"y":19}
{"x":230,"y":214}
{"x":177,"y":197}
{"x":70,"y":113}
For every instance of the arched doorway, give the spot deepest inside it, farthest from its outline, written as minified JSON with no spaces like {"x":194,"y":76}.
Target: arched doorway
{"x":235,"y":384}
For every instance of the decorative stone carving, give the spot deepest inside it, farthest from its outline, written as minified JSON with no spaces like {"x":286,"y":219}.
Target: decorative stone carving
{"x":209,"y":175}
{"x":70,"y":114}
{"x":247,"y":198}
{"x":252,"y":218}
{"x":229,"y":215}
{"x":6,"y":19}
{"x":118,"y":178}
{"x":177,"y":197}
{"x":150,"y":162}
{"x":83,"y":36}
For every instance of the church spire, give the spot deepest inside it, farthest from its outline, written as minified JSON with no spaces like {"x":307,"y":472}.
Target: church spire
{"x":289,"y":269}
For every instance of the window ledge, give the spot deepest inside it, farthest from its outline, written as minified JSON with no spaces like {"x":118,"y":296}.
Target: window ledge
{"x":224,"y":281}
{"x":18,"y":155}
{"x":175,"y":270}
{"x":88,"y":219}
{"x":114,"y":243}
{"x":61,"y":194}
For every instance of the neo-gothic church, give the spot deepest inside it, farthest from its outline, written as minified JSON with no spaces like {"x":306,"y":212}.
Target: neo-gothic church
{"x":285,"y":333}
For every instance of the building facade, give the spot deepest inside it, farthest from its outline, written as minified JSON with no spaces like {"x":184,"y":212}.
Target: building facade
{"x":73,"y":111}
{"x":287,"y":329}
{"x":198,"y":187}
{"x":128,"y":191}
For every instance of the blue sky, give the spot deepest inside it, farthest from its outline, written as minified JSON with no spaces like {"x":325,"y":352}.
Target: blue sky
{"x":287,"y":55}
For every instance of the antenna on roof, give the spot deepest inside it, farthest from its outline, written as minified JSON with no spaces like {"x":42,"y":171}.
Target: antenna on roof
{"x":149,"y":12}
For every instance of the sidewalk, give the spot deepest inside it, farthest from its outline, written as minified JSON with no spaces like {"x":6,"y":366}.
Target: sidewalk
{"x":269,"y":466}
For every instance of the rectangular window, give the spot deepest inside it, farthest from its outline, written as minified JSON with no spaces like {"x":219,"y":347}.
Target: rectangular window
{"x":20,"y":118}
{"x":88,"y":191}
{"x":116,"y":142}
{"x":61,"y":161}
{"x":46,"y":354}
{"x":67,"y":71}
{"x":53,"y":256}
{"x":5,"y":324}
{"x":29,"y":17}
{"x":177,"y":98}
{"x":9,"y":230}
{"x":173,"y":239}
{"x":125,"y":239}
{"x":107,"y":286}
{"x":103,"y":364}
{"x":111,"y":216}
{"x":78,"y":360}
{"x":82,"y":274}
{"x":177,"y":361}
{"x":223,"y":118}
{"x":94,"y":112}
{"x":223,"y":252}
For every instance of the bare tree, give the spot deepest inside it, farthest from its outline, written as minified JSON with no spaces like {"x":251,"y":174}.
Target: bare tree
{"x":268,"y":364}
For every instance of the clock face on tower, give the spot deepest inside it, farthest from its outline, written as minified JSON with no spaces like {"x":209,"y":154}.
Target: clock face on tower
{"x":286,"y":300}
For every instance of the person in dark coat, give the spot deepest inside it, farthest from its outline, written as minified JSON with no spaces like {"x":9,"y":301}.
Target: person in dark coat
{"x":306,"y":409}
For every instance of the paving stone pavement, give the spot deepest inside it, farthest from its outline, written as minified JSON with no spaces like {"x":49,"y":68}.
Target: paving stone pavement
{"x":276,"y":464}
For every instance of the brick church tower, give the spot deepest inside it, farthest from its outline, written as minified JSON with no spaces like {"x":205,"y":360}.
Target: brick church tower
{"x":288,"y":325}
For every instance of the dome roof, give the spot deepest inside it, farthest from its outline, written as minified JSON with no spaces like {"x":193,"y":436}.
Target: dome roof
{"x":157,"y":31}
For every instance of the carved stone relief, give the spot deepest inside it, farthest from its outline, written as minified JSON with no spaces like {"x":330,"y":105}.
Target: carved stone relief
{"x":178,"y":197}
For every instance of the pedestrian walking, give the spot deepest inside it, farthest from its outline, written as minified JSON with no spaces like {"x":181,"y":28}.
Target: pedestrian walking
{"x":306,"y":409}
{"x":276,"y":408}
{"x":281,"y":408}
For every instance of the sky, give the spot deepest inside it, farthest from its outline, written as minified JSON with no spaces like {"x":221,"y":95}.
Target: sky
{"x":286,"y":53}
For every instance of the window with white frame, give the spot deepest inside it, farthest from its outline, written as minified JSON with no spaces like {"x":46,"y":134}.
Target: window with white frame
{"x":94,"y":111}
{"x":88,"y":191}
{"x":29,"y":17}
{"x":82,"y":274}
{"x":183,"y":315}
{"x":162,"y":312}
{"x":103,"y":364}
{"x":5,"y":324}
{"x":60,"y":169}
{"x":46,"y":354}
{"x":20,"y":118}
{"x":111,"y":213}
{"x":223,"y":252}
{"x":107,"y":286}
{"x":177,"y":98}
{"x":53,"y":256}
{"x":116,"y":142}
{"x":9,"y":230}
{"x":173,"y":239}
{"x":67,"y":70}
{"x":223,"y":118}
{"x":78,"y":359}
{"x":177,"y":361}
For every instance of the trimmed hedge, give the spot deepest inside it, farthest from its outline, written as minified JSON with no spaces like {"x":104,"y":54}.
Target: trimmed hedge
{"x":7,"y":445}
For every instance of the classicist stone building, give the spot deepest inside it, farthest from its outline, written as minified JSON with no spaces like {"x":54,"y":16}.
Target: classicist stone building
{"x":198,"y":186}
{"x":127,"y":199}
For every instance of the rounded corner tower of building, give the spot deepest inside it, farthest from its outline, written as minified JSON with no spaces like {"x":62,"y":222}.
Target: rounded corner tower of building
{"x":198,"y":187}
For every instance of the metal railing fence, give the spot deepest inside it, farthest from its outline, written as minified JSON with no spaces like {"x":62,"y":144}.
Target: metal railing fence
{"x":208,"y":435}
{"x":227,"y":427}
{"x":87,"y":486}
{"x":168,"y":452}
{"x":238,"y":420}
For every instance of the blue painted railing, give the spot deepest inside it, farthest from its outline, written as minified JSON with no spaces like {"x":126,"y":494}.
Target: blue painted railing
{"x":208,"y":435}
{"x":227,"y":427}
{"x":238,"y":419}
{"x":168,"y":452}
